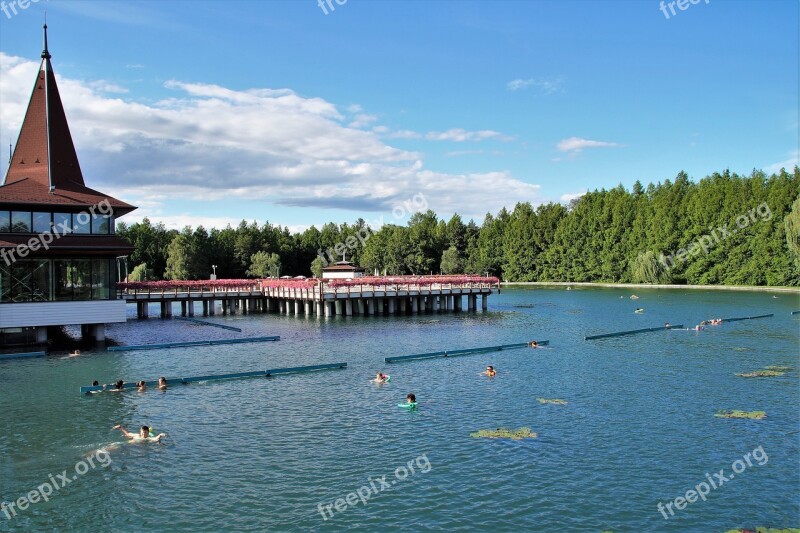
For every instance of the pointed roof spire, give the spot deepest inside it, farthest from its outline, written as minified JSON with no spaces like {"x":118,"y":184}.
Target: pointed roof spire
{"x":44,"y":167}
{"x":45,"y":52}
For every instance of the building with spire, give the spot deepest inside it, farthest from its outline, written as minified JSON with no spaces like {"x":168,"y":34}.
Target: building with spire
{"x":59,"y":255}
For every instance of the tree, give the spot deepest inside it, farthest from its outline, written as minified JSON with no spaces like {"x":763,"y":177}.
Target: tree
{"x":792,"y":223}
{"x":264,"y":265}
{"x":139,"y":273}
{"x":316,"y":267}
{"x":647,"y":268}
{"x":185,"y":260}
{"x":452,"y":263}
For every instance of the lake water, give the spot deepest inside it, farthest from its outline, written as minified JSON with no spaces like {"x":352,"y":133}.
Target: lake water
{"x":267,"y":454}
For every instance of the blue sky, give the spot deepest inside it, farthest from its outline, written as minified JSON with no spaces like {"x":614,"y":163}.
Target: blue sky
{"x":208,"y":112}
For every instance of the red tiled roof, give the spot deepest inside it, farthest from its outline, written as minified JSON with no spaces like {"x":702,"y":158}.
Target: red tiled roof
{"x":45,"y":156}
{"x":345,"y":268}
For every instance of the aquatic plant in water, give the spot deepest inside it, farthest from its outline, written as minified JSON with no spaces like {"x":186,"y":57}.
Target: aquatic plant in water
{"x":778,"y":368}
{"x":504,"y":433}
{"x":756,"y":415}
{"x":761,"y":374}
{"x":554,"y":401}
{"x":765,"y":530}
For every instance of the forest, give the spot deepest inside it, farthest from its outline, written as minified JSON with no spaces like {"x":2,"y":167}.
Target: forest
{"x":722,"y":229}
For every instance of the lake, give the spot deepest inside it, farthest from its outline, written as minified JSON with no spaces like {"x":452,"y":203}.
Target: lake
{"x":637,"y":429}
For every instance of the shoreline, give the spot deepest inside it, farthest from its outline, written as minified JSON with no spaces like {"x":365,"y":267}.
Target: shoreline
{"x":747,"y":288}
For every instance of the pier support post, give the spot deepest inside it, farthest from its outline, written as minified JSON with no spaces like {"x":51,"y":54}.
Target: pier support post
{"x":403,"y":305}
{"x":457,"y":303}
{"x":414,"y":305}
{"x":41,"y":335}
{"x":328,"y":309}
{"x":297,"y":307}
{"x":360,"y":304}
{"x":339,"y":307}
{"x":437,"y":303}
{"x":183,"y":308}
{"x":307,"y":307}
{"x":484,"y":302}
{"x":390,"y":305}
{"x":190,"y":307}
{"x":318,"y":306}
{"x":472,"y":300}
{"x":99,"y":332}
{"x":348,"y":307}
{"x":224,"y":307}
{"x":212,"y":307}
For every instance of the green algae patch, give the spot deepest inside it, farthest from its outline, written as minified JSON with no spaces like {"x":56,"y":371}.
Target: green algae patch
{"x":755,"y":415}
{"x":780,"y":368}
{"x":554,"y":401}
{"x":766,"y":373}
{"x":504,"y":433}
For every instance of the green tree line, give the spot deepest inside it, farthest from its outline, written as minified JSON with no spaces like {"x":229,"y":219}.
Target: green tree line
{"x":722,"y":229}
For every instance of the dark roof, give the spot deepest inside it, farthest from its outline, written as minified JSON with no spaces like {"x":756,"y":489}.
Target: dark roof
{"x":83,"y":243}
{"x":342,"y":268}
{"x":45,"y":156}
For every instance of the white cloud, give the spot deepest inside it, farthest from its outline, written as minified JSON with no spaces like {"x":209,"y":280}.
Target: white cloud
{"x":207,"y":142}
{"x":576,"y":144}
{"x":568,"y":197}
{"x":404,"y":134}
{"x":460,"y":135}
{"x":789,"y":164}
{"x":362,"y":120}
{"x":543,"y":86}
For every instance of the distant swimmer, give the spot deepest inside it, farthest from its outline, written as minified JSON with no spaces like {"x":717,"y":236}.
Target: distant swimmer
{"x":141,"y":386}
{"x":119,"y":386}
{"x":569,"y":288}
{"x":95,"y":383}
{"x":698,"y":327}
{"x":634,"y":297}
{"x":382,"y":378}
{"x":490,"y":371}
{"x":76,"y":353}
{"x":144,"y":434}
{"x":639,"y":310}
{"x":411,"y":402}
{"x":533,"y":344}
{"x":162,"y":383}
{"x":666,"y":325}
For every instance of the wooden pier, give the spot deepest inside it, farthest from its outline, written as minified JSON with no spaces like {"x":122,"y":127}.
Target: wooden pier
{"x":401,"y":295}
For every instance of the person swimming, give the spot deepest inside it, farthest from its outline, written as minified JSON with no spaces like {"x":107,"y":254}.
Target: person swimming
{"x":144,"y":434}
{"x":76,"y":353}
{"x":119,"y":386}
{"x":141,"y":386}
{"x":490,"y":371}
{"x":95,"y":383}
{"x":411,"y":398}
{"x":634,"y":297}
{"x":639,"y":310}
{"x":699,"y":327}
{"x":533,"y":344}
{"x":162,"y":383}
{"x":382,"y":378}
{"x":666,"y":325}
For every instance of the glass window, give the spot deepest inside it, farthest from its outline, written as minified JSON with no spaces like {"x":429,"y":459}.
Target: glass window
{"x":100,"y":224}
{"x":100,"y":279}
{"x":5,"y":282}
{"x":21,"y":221}
{"x":30,"y":281}
{"x":41,"y":222}
{"x":82,"y":279}
{"x":82,"y":223}
{"x":62,"y":223}
{"x":5,"y":222}
{"x":62,"y":279}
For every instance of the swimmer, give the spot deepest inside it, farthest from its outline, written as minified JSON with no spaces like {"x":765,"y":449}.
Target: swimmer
{"x":76,"y":353}
{"x":141,"y":386}
{"x":699,"y":328}
{"x":411,"y":398}
{"x":162,"y":383}
{"x":634,"y":297}
{"x":381,"y":378}
{"x":666,"y":325}
{"x":95,"y":383}
{"x":490,"y":371}
{"x":143,"y":435}
{"x":639,"y":310}
{"x":533,"y":344}
{"x":119,"y":386}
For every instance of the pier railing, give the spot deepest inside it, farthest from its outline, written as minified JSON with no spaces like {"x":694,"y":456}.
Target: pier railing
{"x":309,"y":288}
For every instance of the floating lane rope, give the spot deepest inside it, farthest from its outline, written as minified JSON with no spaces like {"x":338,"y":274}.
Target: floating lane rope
{"x":466,"y":351}
{"x":207,"y":323}
{"x":217,"y":377}
{"x":746,"y":318}
{"x":191,"y":343}
{"x":21,"y":355}
{"x":631,"y":332}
